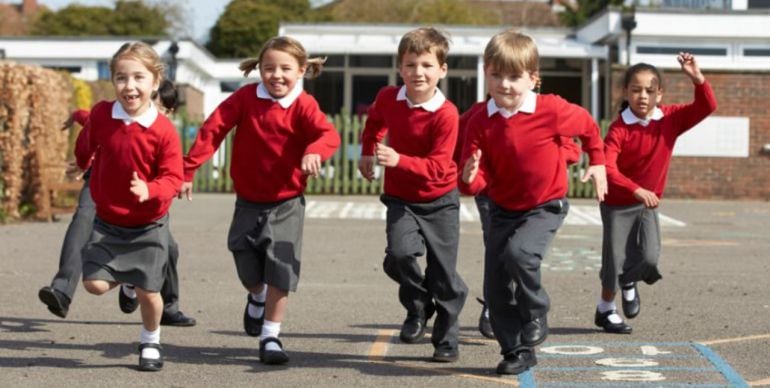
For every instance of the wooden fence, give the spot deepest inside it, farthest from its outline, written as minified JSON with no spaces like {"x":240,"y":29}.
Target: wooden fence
{"x":340,"y":174}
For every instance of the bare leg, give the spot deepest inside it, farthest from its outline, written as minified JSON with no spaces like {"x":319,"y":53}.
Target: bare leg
{"x":98,"y":287}
{"x":151,"y":305}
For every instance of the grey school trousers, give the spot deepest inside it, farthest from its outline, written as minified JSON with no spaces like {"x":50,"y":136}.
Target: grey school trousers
{"x":78,"y":232}
{"x":631,"y":244}
{"x":431,"y":229}
{"x":516,"y":245}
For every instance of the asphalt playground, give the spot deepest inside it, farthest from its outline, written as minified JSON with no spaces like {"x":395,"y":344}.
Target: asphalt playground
{"x":706,"y":324}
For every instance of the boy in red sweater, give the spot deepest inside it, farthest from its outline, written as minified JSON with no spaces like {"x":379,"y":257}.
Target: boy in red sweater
{"x":638,"y":148}
{"x":282,"y":138}
{"x":420,"y":190}
{"x":513,"y":150}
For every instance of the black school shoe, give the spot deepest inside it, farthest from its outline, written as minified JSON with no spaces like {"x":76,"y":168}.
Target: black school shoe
{"x":517,"y":362}
{"x":272,"y":357}
{"x":57,"y":302}
{"x":413,"y":328}
{"x":177,"y":319}
{"x":602,"y":320}
{"x":485,"y":327}
{"x":253,"y":326}
{"x":534,"y":332}
{"x":631,"y":308}
{"x":446,"y":354}
{"x":150,"y":364}
{"x":127,"y":305}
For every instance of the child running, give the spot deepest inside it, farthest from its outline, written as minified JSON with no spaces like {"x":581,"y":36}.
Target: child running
{"x":136,"y":170}
{"x":282,"y":138}
{"x":513,"y":150}
{"x":58,"y":296}
{"x":420,"y":190}
{"x":638,"y":148}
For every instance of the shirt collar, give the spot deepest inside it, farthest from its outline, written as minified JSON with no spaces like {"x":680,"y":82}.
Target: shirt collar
{"x":630,"y":118}
{"x":431,"y":105}
{"x":145,"y":119}
{"x":527,"y":106}
{"x":284,"y":101}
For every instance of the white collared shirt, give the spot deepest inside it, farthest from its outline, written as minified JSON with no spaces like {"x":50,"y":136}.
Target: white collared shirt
{"x":145,"y":119}
{"x":431,"y":105}
{"x":630,"y":118}
{"x":527,"y":106}
{"x":284,"y":101}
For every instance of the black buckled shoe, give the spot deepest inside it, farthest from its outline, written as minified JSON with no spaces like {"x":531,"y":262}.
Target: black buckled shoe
{"x":485,"y":327}
{"x":632,"y":307}
{"x":517,"y":362}
{"x":534,"y":332}
{"x":602,"y":320}
{"x":272,"y":357}
{"x":127,"y":305}
{"x":177,"y":319}
{"x":446,"y":354}
{"x":253,"y":326}
{"x":57,"y":302}
{"x":150,"y":364}
{"x":413,"y":328}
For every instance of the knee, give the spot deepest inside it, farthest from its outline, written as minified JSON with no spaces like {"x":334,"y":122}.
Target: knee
{"x":96,"y":287}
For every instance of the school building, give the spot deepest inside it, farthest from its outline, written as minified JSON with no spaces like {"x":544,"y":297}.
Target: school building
{"x":726,"y":156}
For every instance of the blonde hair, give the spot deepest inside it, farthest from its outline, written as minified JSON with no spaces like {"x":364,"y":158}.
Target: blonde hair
{"x":424,"y":40}
{"x":512,"y":52}
{"x":141,"y":52}
{"x":291,"y":46}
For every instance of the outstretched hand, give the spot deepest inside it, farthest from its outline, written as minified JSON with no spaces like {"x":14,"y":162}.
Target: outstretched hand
{"x":311,"y":165}
{"x":139,"y":188}
{"x":186,"y":190}
{"x":598,"y":174}
{"x":690,"y":67}
{"x":471,"y":168}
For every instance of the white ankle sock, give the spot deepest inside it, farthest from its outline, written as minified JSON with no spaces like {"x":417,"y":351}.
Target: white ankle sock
{"x":629,"y":295}
{"x":604,"y":306}
{"x":254,"y":310}
{"x":150,"y":337}
{"x":128,"y":290}
{"x":271,"y":329}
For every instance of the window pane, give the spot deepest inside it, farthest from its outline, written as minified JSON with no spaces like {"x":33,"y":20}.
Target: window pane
{"x":461,"y":62}
{"x":327,"y":89}
{"x":462,"y":92}
{"x":365,"y":88}
{"x":385,"y":61}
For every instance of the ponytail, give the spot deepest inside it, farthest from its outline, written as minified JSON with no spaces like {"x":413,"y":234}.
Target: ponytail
{"x":314,"y":66}
{"x":248,"y":65}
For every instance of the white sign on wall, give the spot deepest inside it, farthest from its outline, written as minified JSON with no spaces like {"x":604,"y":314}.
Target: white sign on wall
{"x":716,"y":136}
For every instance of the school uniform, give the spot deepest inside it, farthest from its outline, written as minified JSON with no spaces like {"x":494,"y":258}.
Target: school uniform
{"x":638,"y":155}
{"x":523,"y":169}
{"x":273,"y":135}
{"x":422,"y":205}
{"x":130,"y":240}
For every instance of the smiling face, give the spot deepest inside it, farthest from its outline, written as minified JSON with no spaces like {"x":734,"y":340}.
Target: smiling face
{"x":508,"y":90}
{"x":421,"y":73}
{"x":280,"y":72}
{"x":643,"y":93}
{"x":134,"y":84}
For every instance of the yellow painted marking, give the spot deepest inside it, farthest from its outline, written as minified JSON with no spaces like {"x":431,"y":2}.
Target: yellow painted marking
{"x":506,"y":381}
{"x":759,"y":382}
{"x":380,"y":346}
{"x":698,"y":243}
{"x":737,"y":339}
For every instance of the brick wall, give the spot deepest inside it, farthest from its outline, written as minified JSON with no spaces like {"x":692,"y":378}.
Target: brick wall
{"x":744,"y":94}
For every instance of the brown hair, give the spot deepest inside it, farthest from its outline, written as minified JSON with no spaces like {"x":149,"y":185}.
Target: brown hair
{"x":141,"y":52}
{"x":512,"y":52}
{"x":424,"y":40}
{"x":290,"y":46}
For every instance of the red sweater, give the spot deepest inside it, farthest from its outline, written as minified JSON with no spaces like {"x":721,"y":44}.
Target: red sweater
{"x":269,"y":143}
{"x":639,"y":156}
{"x":424,"y":140}
{"x":522,"y":165}
{"x":119,"y":150}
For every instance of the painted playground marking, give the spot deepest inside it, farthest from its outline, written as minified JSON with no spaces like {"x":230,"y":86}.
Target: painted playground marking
{"x":606,"y":364}
{"x":371,"y":210}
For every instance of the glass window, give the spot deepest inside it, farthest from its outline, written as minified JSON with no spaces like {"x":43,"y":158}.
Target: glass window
{"x":462,"y":92}
{"x":229,"y":86}
{"x":461,"y":62}
{"x":332,"y":60}
{"x":382,"y":61}
{"x":328,"y":89}
{"x":568,"y":87}
{"x":759,"y":4}
{"x":103,"y":70}
{"x":676,"y":50}
{"x":756,"y":52}
{"x":365,"y":88}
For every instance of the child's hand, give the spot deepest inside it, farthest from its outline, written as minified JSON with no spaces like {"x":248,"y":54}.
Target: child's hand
{"x":311,"y":165}
{"x":186,"y":190}
{"x":139,"y":188}
{"x":386,"y":156}
{"x":73,"y":171}
{"x":599,"y":175}
{"x":647,"y":197}
{"x":68,"y":123}
{"x":471,"y":168}
{"x":366,"y":167}
{"x":690,"y":67}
